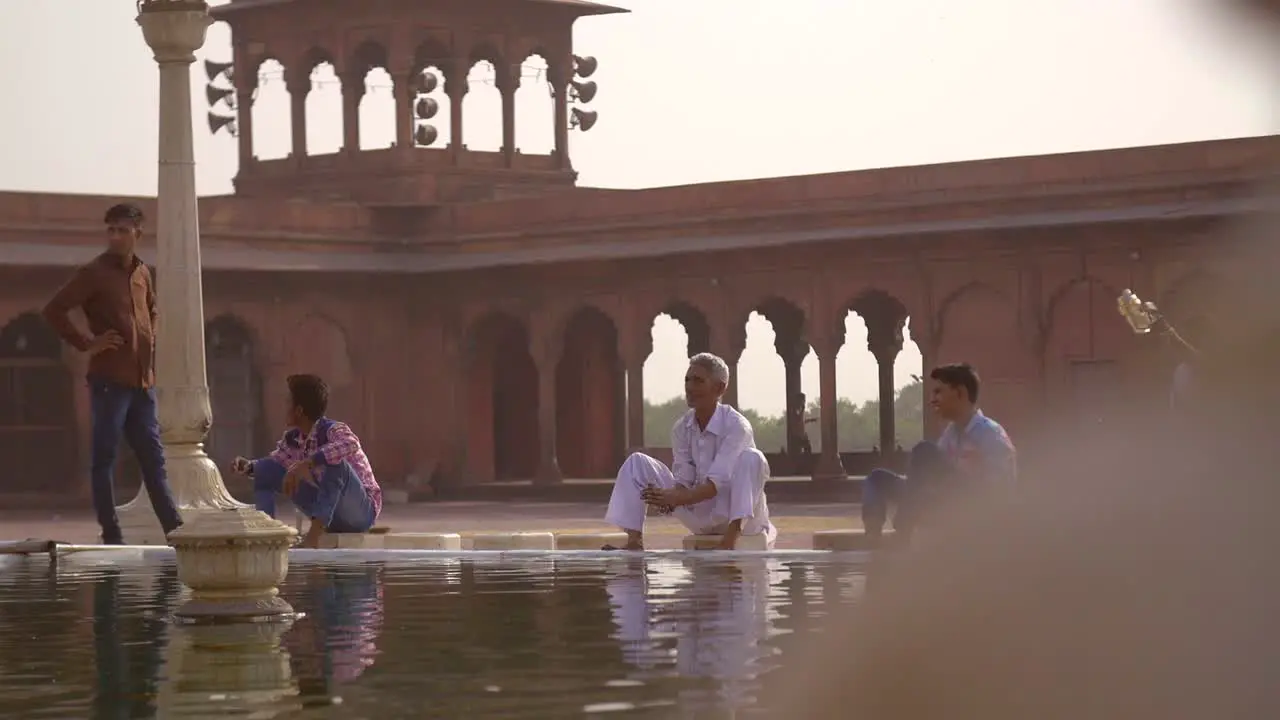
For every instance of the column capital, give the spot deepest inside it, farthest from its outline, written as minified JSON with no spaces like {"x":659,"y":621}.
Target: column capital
{"x":507,"y":78}
{"x":827,"y":345}
{"x":884,"y":335}
{"x":174,"y":29}
{"x":792,"y":347}
{"x":637,"y":351}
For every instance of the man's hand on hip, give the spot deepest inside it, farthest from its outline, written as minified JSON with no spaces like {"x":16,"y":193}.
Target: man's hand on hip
{"x":109,"y":340}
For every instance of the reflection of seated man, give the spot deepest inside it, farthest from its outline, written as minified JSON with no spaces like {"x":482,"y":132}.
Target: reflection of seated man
{"x":634,"y":618}
{"x":719,"y":616}
{"x":972,"y":449}
{"x":716,"y":482}
{"x":319,"y":464}
{"x":337,"y":641}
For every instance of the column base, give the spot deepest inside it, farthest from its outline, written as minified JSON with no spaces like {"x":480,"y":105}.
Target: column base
{"x":549,"y":474}
{"x":196,"y":486}
{"x":828,"y":469}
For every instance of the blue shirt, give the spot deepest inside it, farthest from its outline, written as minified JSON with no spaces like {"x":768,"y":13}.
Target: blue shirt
{"x":981,"y":451}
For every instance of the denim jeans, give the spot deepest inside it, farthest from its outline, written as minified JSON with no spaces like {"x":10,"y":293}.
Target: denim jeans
{"x":926,"y":467}
{"x":338,"y":498}
{"x":128,"y":413}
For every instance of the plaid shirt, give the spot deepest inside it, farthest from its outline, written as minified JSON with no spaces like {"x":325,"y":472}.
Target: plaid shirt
{"x":342,"y":445}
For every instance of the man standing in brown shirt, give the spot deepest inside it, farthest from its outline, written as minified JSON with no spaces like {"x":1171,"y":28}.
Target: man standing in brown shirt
{"x":117,"y":295}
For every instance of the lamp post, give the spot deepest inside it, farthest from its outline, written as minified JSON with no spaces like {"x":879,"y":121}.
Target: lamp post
{"x":175,"y":29}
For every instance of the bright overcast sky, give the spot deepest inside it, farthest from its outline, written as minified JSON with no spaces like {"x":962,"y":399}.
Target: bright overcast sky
{"x":745,"y":88}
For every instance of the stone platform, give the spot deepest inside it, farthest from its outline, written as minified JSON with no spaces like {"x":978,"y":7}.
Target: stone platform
{"x":796,"y":523}
{"x":781,"y":490}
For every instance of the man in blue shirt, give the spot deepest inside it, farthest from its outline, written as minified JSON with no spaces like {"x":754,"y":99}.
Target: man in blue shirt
{"x":973,"y":450}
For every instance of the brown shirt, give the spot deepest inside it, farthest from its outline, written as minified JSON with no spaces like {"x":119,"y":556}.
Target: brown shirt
{"x":115,"y":294}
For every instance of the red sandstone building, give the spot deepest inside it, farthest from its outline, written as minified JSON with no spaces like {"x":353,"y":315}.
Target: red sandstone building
{"x":481,"y":318}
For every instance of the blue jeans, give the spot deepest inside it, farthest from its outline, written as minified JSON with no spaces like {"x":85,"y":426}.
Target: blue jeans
{"x":926,"y":467}
{"x":338,"y":499}
{"x":128,"y":413}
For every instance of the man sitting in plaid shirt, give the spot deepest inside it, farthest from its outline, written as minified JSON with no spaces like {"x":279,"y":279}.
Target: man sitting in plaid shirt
{"x":319,"y":464}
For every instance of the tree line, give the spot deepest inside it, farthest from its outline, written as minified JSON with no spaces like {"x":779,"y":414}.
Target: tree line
{"x":858,"y":425}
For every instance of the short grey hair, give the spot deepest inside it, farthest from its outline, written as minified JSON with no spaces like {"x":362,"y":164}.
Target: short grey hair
{"x":713,"y":364}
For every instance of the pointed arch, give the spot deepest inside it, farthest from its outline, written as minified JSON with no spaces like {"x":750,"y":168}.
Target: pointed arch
{"x":235,"y":391}
{"x":502,"y":392}
{"x":590,"y":392}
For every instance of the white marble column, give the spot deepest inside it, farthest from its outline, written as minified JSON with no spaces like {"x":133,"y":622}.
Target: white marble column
{"x":175,"y":29}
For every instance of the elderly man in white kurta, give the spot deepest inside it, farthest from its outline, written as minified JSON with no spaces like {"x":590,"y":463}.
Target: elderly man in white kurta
{"x":715,"y":485}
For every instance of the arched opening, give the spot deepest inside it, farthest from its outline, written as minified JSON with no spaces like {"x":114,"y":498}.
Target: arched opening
{"x":324,"y":107}
{"x":776,"y":350}
{"x":37,"y":410}
{"x":878,"y":364}
{"x":272,"y":108}
{"x":235,"y":392}
{"x":442,"y":120}
{"x":502,"y":411}
{"x":482,"y":108}
{"x":376,"y":114}
{"x":535,"y":108}
{"x":590,"y":387}
{"x":679,"y":332}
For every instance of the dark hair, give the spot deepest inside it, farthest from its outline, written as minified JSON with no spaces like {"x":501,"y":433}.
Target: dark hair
{"x":310,"y":393}
{"x":123,"y":212}
{"x":958,"y":375}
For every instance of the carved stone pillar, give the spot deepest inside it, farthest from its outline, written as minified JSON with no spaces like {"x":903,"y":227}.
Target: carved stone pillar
{"x":455,"y":86}
{"x":634,"y":357}
{"x":352,"y":93}
{"x":547,"y":356}
{"x":793,"y":349}
{"x":404,"y":95}
{"x":730,"y":350}
{"x":829,"y":466}
{"x":558,"y":74}
{"x":244,"y":123}
{"x":299,"y":84}
{"x":884,"y":340}
{"x":508,"y":82}
{"x":927,"y":342}
{"x":175,"y":31}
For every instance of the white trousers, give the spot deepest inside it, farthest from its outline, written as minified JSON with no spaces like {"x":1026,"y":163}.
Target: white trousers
{"x":742,"y":498}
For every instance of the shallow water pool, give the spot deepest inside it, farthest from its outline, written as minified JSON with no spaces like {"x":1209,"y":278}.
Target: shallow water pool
{"x":417,"y":635}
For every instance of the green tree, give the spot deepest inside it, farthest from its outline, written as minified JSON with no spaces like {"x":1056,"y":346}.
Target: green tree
{"x":858,"y":425}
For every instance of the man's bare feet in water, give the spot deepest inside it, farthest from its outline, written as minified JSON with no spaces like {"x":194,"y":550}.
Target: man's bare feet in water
{"x":635,"y":541}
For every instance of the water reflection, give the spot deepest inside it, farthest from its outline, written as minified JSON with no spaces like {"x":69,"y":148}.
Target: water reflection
{"x":336,"y":640}
{"x":712,"y":618}
{"x":128,"y":647}
{"x":420,"y":637}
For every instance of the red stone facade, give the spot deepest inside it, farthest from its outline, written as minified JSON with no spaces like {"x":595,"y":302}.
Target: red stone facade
{"x":472,"y":336}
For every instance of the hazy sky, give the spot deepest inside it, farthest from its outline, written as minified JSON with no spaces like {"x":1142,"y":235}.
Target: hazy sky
{"x":744,"y":88}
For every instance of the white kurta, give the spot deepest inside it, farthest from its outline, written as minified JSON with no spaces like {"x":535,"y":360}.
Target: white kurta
{"x":724,"y":454}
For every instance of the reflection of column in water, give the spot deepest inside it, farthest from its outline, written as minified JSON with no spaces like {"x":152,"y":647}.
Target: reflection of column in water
{"x":793,"y":613}
{"x":128,"y":670}
{"x":830,"y":574}
{"x":213,"y":671}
